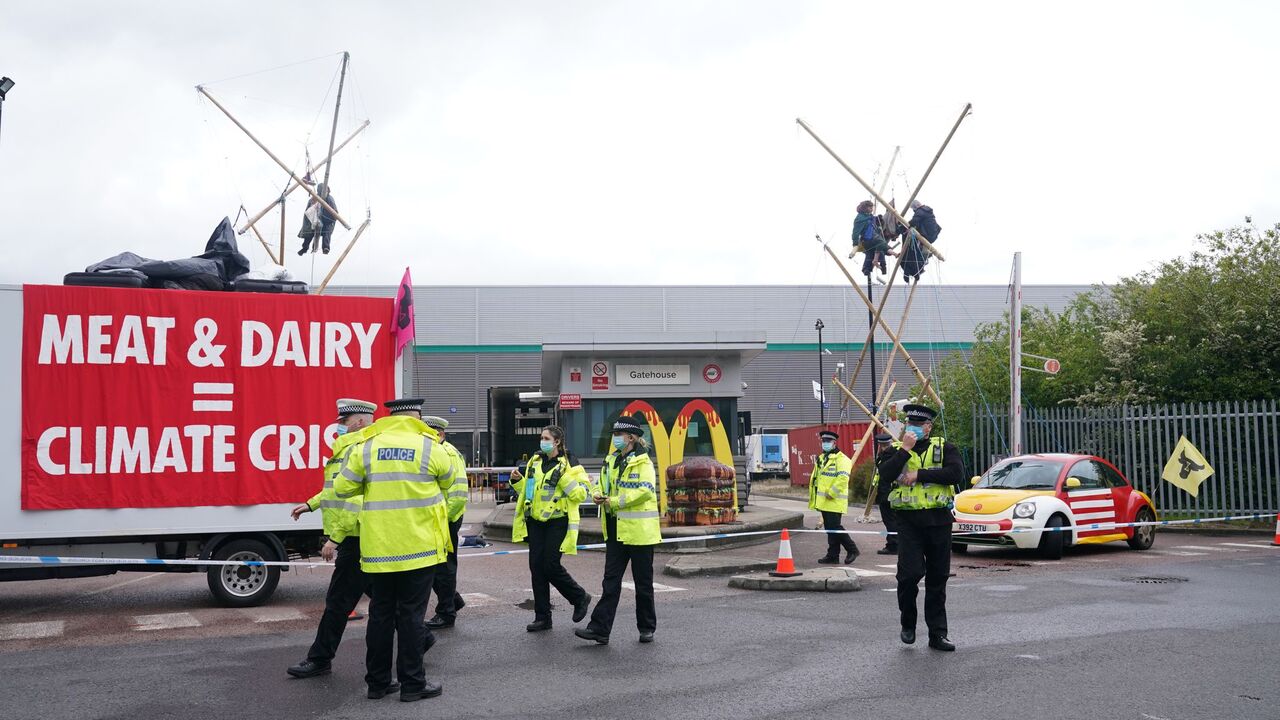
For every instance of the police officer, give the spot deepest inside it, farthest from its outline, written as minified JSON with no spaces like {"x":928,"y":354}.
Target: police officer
{"x":884,"y":448}
{"x":548,"y":494}
{"x":448,"y":601}
{"x":829,"y":495}
{"x":404,"y":476}
{"x":928,"y":471}
{"x":347,"y":583}
{"x":628,"y":495}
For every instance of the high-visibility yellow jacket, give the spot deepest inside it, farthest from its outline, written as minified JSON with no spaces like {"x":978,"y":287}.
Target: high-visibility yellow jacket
{"x":456,"y":502}
{"x":829,"y":482}
{"x":404,"y":475}
{"x":630,"y":485}
{"x":340,"y":516}
{"x":923,"y":496}
{"x":559,"y":487}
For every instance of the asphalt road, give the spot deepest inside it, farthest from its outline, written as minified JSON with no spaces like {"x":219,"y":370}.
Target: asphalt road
{"x":1083,"y":637}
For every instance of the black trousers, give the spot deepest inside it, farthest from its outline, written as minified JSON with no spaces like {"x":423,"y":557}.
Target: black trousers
{"x":395,"y":627}
{"x":836,"y":541}
{"x":890,"y":519}
{"x":446,"y":582}
{"x":346,"y":585}
{"x":616,"y":558}
{"x":545,"y":568}
{"x":924,"y":551}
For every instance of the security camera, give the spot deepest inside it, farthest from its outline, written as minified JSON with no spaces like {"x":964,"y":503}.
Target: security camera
{"x":744,"y":386}
{"x":839,"y":366}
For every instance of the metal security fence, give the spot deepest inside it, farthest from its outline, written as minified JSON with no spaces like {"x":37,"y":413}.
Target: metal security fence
{"x":1241,"y":440}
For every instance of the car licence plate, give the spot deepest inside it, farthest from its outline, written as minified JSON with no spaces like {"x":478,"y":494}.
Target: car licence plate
{"x":970,"y":527}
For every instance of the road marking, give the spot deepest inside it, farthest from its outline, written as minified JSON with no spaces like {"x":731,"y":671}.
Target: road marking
{"x":891,"y":567}
{"x":268,"y":614}
{"x":109,"y":588}
{"x":32,"y":630}
{"x":888,"y":589}
{"x":1028,"y":657}
{"x":1180,"y":553}
{"x":1202,"y":547}
{"x":657,"y":587}
{"x":1248,"y":545}
{"x":869,"y":573}
{"x":165,"y":621}
{"x":480,"y":599}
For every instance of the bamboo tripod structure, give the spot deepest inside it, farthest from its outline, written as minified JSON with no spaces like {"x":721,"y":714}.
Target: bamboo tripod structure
{"x":297,"y":182}
{"x":877,"y":310}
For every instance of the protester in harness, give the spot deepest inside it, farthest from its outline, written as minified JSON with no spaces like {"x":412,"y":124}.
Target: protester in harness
{"x":868,"y":236}
{"x":915,"y":257}
{"x":318,"y":223}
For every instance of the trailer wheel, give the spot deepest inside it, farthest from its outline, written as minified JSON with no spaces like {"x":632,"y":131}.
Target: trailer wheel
{"x":243,"y":585}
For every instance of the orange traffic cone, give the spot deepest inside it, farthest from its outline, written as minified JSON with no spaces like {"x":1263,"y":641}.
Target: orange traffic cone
{"x":786,"y":565}
{"x":1276,"y":541}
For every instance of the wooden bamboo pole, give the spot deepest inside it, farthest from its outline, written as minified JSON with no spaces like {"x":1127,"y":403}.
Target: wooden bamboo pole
{"x":294,"y":185}
{"x":266,"y":247}
{"x":343,"y":256}
{"x":884,"y":298}
{"x":902,"y":327}
{"x":888,"y":330}
{"x":871,"y":491}
{"x":928,"y":246}
{"x":849,"y":393}
{"x":278,"y":161}
{"x":282,"y":230}
{"x":337,"y":103}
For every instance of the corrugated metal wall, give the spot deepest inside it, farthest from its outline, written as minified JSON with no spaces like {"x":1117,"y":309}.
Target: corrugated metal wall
{"x":468,"y":335}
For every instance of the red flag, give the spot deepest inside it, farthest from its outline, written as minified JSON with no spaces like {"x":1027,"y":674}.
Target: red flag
{"x":402,"y":314}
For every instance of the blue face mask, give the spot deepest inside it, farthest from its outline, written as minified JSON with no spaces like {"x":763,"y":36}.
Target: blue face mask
{"x":619,"y":441}
{"x":828,"y":446}
{"x":546,"y":446}
{"x":343,"y":429}
{"x":917,"y":431}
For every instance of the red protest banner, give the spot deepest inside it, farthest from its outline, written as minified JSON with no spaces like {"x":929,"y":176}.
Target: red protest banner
{"x":161,"y":398}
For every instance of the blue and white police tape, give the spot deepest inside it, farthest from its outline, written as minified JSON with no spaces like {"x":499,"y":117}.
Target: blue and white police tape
{"x":65,"y":560}
{"x":1062,"y":528}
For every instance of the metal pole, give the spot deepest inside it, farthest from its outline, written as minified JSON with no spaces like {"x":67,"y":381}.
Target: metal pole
{"x":822,"y":377}
{"x":1015,"y":358}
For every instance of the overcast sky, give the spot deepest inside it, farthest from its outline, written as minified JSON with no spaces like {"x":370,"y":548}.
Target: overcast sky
{"x":640,"y":142}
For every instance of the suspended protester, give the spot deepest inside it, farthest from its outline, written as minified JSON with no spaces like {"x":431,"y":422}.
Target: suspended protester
{"x":548,"y":494}
{"x":829,"y":495}
{"x":404,"y":476}
{"x":628,"y":495}
{"x":318,"y":223}
{"x":868,"y":236}
{"x":448,"y":600}
{"x":884,"y":448}
{"x":347,"y":583}
{"x":915,"y":257}
{"x":929,"y":471}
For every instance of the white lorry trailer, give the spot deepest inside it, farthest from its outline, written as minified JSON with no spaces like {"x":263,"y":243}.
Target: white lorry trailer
{"x":136,"y":437}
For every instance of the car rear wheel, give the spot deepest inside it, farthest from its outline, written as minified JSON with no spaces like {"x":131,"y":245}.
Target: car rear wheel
{"x":243,"y":585}
{"x":960,"y":548}
{"x":1052,"y":542}
{"x":1143,"y":535}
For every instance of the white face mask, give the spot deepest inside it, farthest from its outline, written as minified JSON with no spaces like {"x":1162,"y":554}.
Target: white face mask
{"x":828,"y":446}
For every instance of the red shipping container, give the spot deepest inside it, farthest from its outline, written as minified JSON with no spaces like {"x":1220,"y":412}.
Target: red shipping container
{"x":804,"y":445}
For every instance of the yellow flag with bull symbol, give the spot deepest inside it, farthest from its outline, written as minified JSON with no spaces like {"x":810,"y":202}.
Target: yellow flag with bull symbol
{"x":1187,"y":468}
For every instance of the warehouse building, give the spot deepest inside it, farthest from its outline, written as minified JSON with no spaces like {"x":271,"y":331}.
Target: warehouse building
{"x":713,"y":363}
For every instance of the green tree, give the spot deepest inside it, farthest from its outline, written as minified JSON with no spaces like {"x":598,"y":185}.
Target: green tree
{"x":1201,"y":328}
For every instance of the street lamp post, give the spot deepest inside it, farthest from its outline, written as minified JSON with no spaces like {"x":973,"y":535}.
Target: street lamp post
{"x":822,"y":377}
